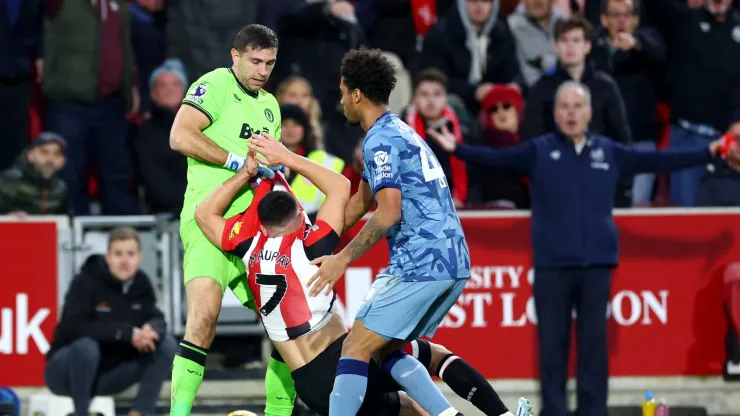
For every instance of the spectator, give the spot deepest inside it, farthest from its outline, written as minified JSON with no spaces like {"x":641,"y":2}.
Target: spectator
{"x":298,"y":138}
{"x":501,"y":118}
{"x":574,"y":174}
{"x":199,"y":34}
{"x":533,"y":27}
{"x":20,"y":45}
{"x":32,"y":186}
{"x":320,"y":31}
{"x":703,"y":74}
{"x":148,"y":39}
{"x":111,"y":334}
{"x":635,"y":58}
{"x":89,"y":79}
{"x":297,"y":90}
{"x":430,"y":111}
{"x":162,"y":171}
{"x":399,"y":26}
{"x":488,"y":55}
{"x":314,"y":32}
{"x":720,"y":187}
{"x":572,"y":45}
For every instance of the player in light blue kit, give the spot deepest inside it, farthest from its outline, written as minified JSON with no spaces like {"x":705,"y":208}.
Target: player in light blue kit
{"x":429,"y":258}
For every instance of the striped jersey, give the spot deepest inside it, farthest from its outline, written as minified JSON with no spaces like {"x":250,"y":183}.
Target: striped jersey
{"x":279,"y":267}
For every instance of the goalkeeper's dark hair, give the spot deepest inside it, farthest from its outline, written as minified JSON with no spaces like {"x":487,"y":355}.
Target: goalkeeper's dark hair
{"x":276,"y":209}
{"x":255,"y":36}
{"x":370,"y":72}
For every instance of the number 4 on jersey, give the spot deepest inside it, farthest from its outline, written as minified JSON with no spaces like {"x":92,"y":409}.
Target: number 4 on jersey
{"x":430,"y":167}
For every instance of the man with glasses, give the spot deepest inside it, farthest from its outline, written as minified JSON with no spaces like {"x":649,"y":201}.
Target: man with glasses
{"x":635,"y":57}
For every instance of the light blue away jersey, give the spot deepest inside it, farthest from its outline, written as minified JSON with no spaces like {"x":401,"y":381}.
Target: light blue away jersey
{"x":428,"y":243}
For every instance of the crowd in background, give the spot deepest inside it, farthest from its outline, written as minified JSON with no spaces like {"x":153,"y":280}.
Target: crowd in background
{"x":90,"y":89}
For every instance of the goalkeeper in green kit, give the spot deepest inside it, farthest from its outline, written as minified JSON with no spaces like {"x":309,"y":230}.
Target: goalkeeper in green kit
{"x":220,"y":113}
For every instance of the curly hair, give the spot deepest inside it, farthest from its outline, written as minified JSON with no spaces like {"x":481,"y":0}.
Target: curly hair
{"x":370,"y":72}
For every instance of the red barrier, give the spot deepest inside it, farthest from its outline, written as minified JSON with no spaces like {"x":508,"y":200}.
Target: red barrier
{"x":666,"y":314}
{"x":28,"y":300}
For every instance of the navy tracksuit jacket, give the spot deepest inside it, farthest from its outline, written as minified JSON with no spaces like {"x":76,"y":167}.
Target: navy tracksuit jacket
{"x":575,"y":246}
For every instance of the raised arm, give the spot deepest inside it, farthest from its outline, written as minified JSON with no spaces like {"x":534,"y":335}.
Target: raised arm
{"x":520,"y":158}
{"x":187,"y":138}
{"x":332,"y":184}
{"x":209,"y":214}
{"x":202,"y":107}
{"x":386,"y":187}
{"x":630,"y":160}
{"x":651,"y":47}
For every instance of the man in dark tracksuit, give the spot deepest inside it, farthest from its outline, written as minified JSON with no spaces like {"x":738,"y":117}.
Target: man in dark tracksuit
{"x":111,"y":334}
{"x":573,"y":176}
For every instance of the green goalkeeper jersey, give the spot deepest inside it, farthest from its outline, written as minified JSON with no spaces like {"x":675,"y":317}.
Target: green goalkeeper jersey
{"x":235,"y":114}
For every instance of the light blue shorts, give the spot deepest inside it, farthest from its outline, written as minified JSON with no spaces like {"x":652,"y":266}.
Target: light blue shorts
{"x":397,"y":309}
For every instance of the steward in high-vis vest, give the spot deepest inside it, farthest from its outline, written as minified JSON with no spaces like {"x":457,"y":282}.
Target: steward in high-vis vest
{"x":299,"y":138}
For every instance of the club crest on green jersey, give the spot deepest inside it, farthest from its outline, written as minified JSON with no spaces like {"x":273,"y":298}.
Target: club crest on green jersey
{"x":269,"y":116}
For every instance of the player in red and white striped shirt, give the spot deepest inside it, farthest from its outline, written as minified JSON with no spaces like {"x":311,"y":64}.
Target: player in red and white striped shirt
{"x":276,"y":242}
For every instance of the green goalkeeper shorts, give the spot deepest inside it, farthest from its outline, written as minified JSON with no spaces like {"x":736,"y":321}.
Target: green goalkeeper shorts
{"x":203,"y":259}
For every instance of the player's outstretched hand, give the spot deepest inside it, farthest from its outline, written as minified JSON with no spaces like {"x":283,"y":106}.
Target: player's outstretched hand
{"x":251,"y":166}
{"x":331,"y":270}
{"x":444,"y":138}
{"x":271,"y":152}
{"x":727,"y":148}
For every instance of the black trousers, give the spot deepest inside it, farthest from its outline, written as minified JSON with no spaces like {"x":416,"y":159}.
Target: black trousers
{"x":557,"y":292}
{"x":14,"y":117}
{"x":95,"y":132}
{"x":73,"y":371}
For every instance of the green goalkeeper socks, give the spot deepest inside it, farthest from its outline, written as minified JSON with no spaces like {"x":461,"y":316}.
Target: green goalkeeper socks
{"x":187,"y":374}
{"x":279,"y":388}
